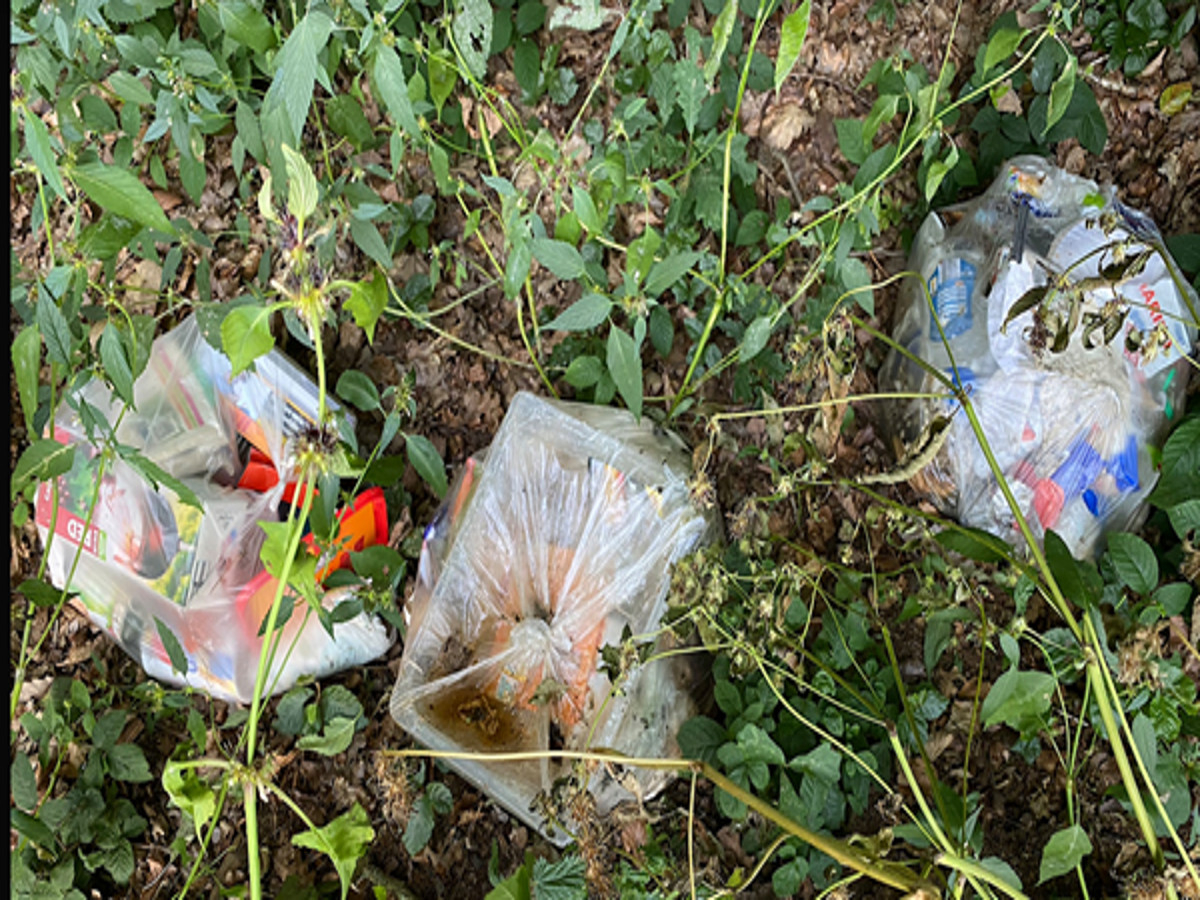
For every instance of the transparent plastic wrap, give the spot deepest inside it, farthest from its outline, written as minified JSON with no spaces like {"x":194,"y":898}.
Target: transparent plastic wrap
{"x":149,"y":561}
{"x":1069,"y":324}
{"x":548,"y":548}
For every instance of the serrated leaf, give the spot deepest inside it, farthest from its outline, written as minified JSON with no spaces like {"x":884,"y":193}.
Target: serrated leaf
{"x":42,"y":460}
{"x":23,"y":783}
{"x":26,"y":359}
{"x":583,"y":372}
{"x":367,"y":301}
{"x":563,"y":260}
{"x":721,"y":31}
{"x":563,"y":879}
{"x":1185,"y":517}
{"x":33,"y":829}
{"x":1001,"y":46}
{"x":520,"y":258}
{"x":428,"y":462}
{"x":667,"y":272}
{"x":296,"y":67}
{"x":690,"y":91}
{"x":116,"y":364}
{"x":246,"y":335}
{"x":41,"y":151}
{"x":122,"y":193}
{"x":1133,"y":561}
{"x":334,"y":738}
{"x":755,"y":338}
{"x":583,"y":315}
{"x":625,"y":367}
{"x":130,"y":88}
{"x":302,"y":185}
{"x":791,"y":41}
{"x":175,"y":652}
{"x":356,"y":388}
{"x":246,"y":25}
{"x":344,"y":840}
{"x":1063,"y":852}
{"x":127,"y":762}
{"x":55,"y":331}
{"x":393,"y":89}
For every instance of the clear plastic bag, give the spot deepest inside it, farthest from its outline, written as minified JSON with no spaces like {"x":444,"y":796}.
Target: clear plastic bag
{"x":1068,"y":328}
{"x":143,"y":561}
{"x":556,"y":542}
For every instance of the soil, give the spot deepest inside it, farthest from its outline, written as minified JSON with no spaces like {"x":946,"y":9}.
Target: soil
{"x":461,"y":397}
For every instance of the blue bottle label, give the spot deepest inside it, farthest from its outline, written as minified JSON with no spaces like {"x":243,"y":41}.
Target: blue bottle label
{"x":951,"y":287}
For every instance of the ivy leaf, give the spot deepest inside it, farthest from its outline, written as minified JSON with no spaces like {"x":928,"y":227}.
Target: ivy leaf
{"x":791,"y":42}
{"x":1133,"y":561}
{"x":367,"y":301}
{"x":344,"y":840}
{"x":625,"y":366}
{"x":121,"y":192}
{"x":428,"y":462}
{"x":26,"y":359}
{"x":246,"y":335}
{"x":1063,"y":852}
{"x":583,"y":315}
{"x":563,"y":260}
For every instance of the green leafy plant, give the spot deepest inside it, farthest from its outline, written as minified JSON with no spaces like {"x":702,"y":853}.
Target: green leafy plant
{"x":1133,"y":32}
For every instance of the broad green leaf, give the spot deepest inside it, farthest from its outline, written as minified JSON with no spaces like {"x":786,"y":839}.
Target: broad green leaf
{"x":344,"y":840}
{"x":667,"y":272}
{"x":1018,"y":699}
{"x":189,"y":793}
{"x":393,"y":89}
{"x":583,"y":372}
{"x":560,"y":880}
{"x":585,"y":208}
{"x":700,"y":737}
{"x":584,"y":314}
{"x":791,"y":41}
{"x":1063,"y":852}
{"x":419,"y":828}
{"x":1002,"y":870}
{"x":690,"y":91}
{"x":1175,"y":98}
{"x":246,"y":25}
{"x":158,"y":476}
{"x":1185,"y":516}
{"x":443,"y":76}
{"x":1001,"y":46}
{"x":42,"y":460}
{"x":1066,"y":571}
{"x":1134,"y":562}
{"x":563,"y":260}
{"x":722,"y":29}
{"x":296,"y":67}
{"x":755,"y":338}
{"x":371,"y":242}
{"x":246,"y":335}
{"x":37,"y":141}
{"x":625,"y":366}
{"x":130,"y":89}
{"x":938,"y":170}
{"x":334,"y":738}
{"x":346,"y":117}
{"x":367,"y":301}
{"x":857,"y":278}
{"x":357,"y":389}
{"x":127,"y":762}
{"x":175,"y":652}
{"x":972,"y":543}
{"x":302,"y":186}
{"x":428,"y":462}
{"x":23,"y":783}
{"x":116,"y":364}
{"x":39,"y":593}
{"x":26,"y":359}
{"x":1061,"y":93}
{"x":472,"y":31}
{"x":55,"y":330}
{"x":121,"y":192}
{"x":520,"y":257}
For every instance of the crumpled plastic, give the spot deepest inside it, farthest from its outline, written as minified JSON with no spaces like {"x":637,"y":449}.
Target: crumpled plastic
{"x":143,"y":561}
{"x":1071,"y":426}
{"x":554,"y":543}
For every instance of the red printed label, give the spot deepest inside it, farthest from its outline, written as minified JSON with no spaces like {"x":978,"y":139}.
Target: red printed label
{"x":68,"y":525}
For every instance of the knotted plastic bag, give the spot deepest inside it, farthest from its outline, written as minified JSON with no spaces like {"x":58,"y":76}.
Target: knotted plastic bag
{"x":1062,"y":314}
{"x":556,"y":542}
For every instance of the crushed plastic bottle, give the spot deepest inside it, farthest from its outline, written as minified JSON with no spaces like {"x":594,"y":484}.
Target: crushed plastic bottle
{"x":1068,"y":324}
{"x":143,"y":561}
{"x":555,"y":543}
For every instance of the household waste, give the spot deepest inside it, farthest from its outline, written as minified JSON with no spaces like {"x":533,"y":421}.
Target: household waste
{"x":1059,"y":310}
{"x":554,"y":543}
{"x":150,"y":563}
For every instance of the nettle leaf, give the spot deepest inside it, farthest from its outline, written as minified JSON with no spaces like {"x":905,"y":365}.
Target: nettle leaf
{"x":625,"y":366}
{"x":583,"y":315}
{"x":1133,"y":561}
{"x":1018,"y":699}
{"x":296,"y":69}
{"x":367,"y":301}
{"x":26,"y":360}
{"x":425,"y":458}
{"x":393,"y":89}
{"x":563,"y":260}
{"x":722,"y":29}
{"x":472,"y":31}
{"x":121,"y":192}
{"x":246,"y":335}
{"x":344,"y":840}
{"x":1063,"y":852}
{"x":561,"y":880}
{"x":791,"y":41}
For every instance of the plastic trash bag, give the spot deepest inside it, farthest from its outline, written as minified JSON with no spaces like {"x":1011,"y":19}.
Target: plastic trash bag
{"x":149,"y":562}
{"x":1069,"y":325}
{"x":556,"y":542}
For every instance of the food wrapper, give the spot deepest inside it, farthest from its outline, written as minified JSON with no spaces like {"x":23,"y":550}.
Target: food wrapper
{"x":142,"y":561}
{"x":556,"y":542}
{"x":1059,"y":310}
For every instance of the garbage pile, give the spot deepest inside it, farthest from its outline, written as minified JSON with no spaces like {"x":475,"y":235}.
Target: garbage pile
{"x":554,"y":543}
{"x":1059,"y":310}
{"x":141,"y":560}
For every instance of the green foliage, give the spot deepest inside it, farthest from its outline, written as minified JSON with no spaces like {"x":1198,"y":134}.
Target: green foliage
{"x":1133,"y":32}
{"x":539,"y":879}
